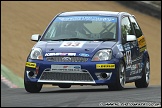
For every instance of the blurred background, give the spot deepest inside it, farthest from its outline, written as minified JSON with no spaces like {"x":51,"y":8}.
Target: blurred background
{"x":21,"y":19}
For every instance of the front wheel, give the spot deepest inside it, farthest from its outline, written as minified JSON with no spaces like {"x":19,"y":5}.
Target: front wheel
{"x":120,"y":78}
{"x":144,"y":81}
{"x":32,"y":87}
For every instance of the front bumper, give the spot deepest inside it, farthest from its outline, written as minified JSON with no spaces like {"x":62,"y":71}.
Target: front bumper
{"x":91,"y":73}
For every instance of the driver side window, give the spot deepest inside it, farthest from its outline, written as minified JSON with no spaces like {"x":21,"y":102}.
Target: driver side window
{"x":126,"y":28}
{"x":137,"y":29}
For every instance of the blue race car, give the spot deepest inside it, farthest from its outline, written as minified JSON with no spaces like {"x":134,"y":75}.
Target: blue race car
{"x":88,"y":48}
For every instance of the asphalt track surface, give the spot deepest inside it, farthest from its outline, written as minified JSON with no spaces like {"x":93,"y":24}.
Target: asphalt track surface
{"x":81,"y":96}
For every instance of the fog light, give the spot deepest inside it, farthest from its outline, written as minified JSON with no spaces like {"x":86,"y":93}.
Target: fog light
{"x":103,"y":75}
{"x":31,"y":74}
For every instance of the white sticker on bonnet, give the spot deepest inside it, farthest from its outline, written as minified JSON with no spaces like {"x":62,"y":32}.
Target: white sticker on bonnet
{"x":76,"y":44}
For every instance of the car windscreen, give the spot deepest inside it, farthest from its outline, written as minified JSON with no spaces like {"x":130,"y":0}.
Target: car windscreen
{"x":82,"y":28}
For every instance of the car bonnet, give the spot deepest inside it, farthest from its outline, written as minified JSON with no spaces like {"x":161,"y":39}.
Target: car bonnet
{"x":78,"y":47}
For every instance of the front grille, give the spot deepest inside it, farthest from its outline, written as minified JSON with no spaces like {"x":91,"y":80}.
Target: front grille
{"x":66,"y":76}
{"x":66,"y":59}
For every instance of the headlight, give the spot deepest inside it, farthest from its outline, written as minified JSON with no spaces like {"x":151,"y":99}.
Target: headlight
{"x":102,"y":55}
{"x":36,"y":53}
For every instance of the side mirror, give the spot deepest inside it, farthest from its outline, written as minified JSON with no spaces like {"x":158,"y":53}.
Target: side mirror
{"x":131,"y":38}
{"x":35,"y":37}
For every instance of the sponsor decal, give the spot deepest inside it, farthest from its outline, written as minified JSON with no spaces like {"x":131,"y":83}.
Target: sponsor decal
{"x":70,"y":44}
{"x":29,"y":64}
{"x":128,"y":59}
{"x":77,"y":67}
{"x":142,"y":48}
{"x":134,"y":43}
{"x":65,"y":68}
{"x":134,"y":77}
{"x":134,"y":69}
{"x":127,"y":46}
{"x":138,"y":58}
{"x":105,"y":66}
{"x":120,"y":47}
{"x":84,"y":54}
{"x":141,"y":41}
{"x":60,"y":54}
{"x":87,"y":18}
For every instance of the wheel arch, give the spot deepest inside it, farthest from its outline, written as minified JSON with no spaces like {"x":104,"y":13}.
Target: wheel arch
{"x":145,"y":56}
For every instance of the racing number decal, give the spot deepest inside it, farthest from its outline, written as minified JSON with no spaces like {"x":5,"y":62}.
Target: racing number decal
{"x":78,"y":44}
{"x":72,"y":44}
{"x":67,"y":44}
{"x":128,"y":58}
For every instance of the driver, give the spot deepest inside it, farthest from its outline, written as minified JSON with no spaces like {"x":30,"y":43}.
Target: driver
{"x":70,"y":29}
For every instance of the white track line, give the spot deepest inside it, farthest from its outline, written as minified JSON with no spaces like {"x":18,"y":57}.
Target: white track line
{"x":8,"y":83}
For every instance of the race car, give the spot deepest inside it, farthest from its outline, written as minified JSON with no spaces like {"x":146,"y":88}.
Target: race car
{"x":88,"y":48}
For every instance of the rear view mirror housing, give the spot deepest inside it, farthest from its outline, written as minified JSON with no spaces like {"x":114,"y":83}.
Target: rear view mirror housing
{"x":35,"y":37}
{"x":131,"y":38}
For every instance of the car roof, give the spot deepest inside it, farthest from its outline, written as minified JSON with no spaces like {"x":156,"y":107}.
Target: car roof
{"x":98,"y":13}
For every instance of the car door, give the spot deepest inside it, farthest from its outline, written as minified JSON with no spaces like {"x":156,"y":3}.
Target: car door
{"x":141,"y":45}
{"x":131,"y":49}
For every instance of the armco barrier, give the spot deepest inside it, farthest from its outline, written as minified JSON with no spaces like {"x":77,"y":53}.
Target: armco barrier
{"x":144,"y":7}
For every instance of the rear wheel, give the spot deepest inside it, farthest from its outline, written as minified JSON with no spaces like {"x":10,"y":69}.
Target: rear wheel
{"x":64,"y":85}
{"x":32,"y":87}
{"x":144,"y":81}
{"x":120,"y":78}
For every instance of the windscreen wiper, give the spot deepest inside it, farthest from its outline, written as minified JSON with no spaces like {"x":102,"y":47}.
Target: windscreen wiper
{"x":71,"y":39}
{"x":104,"y":39}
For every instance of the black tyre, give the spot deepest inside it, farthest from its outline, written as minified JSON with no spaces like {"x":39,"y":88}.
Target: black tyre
{"x":120,"y":78}
{"x":64,"y":85}
{"x":144,"y":81}
{"x":32,"y":87}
